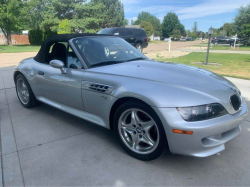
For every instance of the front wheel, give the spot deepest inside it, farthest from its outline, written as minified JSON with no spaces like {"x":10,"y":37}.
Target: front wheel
{"x":139,"y":47}
{"x":216,"y":43}
{"x":140,"y":131}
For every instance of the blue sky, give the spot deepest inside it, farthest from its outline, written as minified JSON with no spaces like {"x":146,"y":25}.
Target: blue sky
{"x":206,"y":12}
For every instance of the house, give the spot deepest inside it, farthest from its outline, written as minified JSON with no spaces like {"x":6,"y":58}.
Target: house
{"x":154,"y":37}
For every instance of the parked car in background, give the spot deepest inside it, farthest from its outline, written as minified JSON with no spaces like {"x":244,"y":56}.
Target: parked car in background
{"x":167,"y":39}
{"x":189,"y":39}
{"x":135,"y":36}
{"x":223,"y":40}
{"x":183,"y":39}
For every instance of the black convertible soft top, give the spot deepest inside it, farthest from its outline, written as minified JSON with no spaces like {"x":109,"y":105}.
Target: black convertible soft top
{"x":58,"y":38}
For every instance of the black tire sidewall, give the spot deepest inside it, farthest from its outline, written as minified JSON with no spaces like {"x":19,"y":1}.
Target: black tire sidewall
{"x":31,"y":95}
{"x":162,"y":146}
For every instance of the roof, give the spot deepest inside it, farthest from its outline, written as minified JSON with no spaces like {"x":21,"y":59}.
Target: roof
{"x":58,"y":38}
{"x":133,"y":26}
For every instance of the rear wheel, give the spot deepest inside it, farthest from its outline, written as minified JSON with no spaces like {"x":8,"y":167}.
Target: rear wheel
{"x":140,"y":131}
{"x":139,"y":47}
{"x":24,"y":92}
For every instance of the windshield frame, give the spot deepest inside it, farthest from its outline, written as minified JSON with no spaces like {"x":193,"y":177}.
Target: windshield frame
{"x":84,"y":60}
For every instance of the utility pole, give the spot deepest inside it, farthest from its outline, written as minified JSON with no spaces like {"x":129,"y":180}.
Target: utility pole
{"x":210,"y":32}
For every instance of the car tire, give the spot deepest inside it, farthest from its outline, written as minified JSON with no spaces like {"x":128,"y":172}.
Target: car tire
{"x":215,"y":43}
{"x":139,"y":47}
{"x":145,"y":140}
{"x":24,"y":92}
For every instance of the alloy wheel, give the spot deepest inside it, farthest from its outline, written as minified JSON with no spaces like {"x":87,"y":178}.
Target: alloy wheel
{"x":138,"y":131}
{"x":139,"y":47}
{"x":22,"y":91}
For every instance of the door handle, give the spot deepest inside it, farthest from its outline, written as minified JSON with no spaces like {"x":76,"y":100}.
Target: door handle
{"x":40,"y":73}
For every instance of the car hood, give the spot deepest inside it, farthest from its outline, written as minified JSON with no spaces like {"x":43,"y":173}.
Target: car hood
{"x":178,"y":75}
{"x":169,"y":73}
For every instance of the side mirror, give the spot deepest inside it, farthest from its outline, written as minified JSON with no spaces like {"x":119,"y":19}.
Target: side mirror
{"x":58,"y":64}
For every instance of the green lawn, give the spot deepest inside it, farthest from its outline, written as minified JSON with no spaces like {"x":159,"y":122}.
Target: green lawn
{"x":233,"y":65}
{"x":228,"y":47}
{"x":18,"y":48}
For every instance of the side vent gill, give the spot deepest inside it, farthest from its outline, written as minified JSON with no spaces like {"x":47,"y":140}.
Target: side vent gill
{"x":97,"y":87}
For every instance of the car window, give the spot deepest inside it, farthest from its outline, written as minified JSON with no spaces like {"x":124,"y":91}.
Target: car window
{"x":108,"y":31}
{"x":128,"y":32}
{"x":95,"y":50}
{"x":118,"y":32}
{"x":137,"y":32}
{"x":56,"y":51}
{"x":72,"y":60}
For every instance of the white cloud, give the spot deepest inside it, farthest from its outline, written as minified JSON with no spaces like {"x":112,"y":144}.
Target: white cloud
{"x":184,"y":9}
{"x":211,"y":7}
{"x":129,"y":20}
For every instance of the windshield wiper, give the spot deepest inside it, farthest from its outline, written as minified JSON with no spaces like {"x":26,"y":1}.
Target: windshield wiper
{"x":139,"y":58}
{"x":105,"y":63}
{"x":114,"y":62}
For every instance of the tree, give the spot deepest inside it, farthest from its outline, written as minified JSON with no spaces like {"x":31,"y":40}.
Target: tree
{"x":33,"y":12}
{"x":176,"y":34}
{"x":64,"y":27}
{"x":146,"y":16}
{"x":88,"y":17}
{"x":148,"y":27}
{"x":112,"y":14}
{"x":195,"y":27}
{"x":171,"y":22}
{"x":241,"y":24}
{"x":206,"y":35}
{"x":228,"y":28}
{"x":82,"y":16}
{"x":10,"y":17}
{"x":189,"y":33}
{"x":57,"y":10}
{"x":201,"y":34}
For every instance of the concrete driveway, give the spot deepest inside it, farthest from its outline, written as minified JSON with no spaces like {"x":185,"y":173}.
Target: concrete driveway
{"x":47,"y":147}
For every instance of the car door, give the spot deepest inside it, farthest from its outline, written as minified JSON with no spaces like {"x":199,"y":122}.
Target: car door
{"x":129,"y":36}
{"x":59,"y":87}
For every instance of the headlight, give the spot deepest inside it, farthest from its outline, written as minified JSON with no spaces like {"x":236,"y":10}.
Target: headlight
{"x":202,"y":112}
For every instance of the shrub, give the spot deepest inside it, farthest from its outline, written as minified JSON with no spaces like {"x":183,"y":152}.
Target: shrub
{"x":48,"y":33}
{"x":35,"y":36}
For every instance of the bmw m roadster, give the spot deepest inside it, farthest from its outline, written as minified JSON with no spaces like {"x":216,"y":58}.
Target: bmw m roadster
{"x":151,"y":106}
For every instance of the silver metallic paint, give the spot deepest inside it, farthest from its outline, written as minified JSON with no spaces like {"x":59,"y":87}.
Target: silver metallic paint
{"x":163,"y":86}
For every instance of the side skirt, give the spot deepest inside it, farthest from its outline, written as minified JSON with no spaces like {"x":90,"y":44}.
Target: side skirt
{"x":79,"y":113}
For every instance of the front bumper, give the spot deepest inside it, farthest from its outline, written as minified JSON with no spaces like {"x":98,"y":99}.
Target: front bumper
{"x":209,"y":136}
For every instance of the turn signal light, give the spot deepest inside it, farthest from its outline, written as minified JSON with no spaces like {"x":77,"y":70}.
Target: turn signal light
{"x":182,"y":132}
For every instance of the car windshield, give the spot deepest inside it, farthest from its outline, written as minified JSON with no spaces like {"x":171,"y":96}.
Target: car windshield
{"x":101,"y":51}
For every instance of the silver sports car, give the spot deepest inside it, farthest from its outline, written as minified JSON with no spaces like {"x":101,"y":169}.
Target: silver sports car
{"x":151,"y":106}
